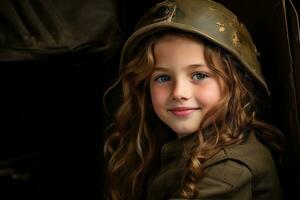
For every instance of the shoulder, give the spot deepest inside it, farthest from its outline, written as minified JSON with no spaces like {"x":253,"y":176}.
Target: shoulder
{"x":226,"y":178}
{"x":251,"y":154}
{"x":247,"y":169}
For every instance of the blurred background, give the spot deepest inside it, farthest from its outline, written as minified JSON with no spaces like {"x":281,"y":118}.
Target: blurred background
{"x":57,"y":58}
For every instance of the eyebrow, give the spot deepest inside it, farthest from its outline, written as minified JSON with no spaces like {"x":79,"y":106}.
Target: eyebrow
{"x":196,"y":65}
{"x":193,"y":66}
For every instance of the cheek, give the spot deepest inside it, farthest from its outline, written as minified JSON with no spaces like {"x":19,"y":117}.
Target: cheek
{"x":159,"y":96}
{"x":210,"y":96}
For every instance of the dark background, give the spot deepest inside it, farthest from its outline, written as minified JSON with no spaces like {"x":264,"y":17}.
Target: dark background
{"x":52,"y":116}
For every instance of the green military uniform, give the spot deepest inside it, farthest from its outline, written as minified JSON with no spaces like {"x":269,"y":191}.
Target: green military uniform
{"x":240,"y":171}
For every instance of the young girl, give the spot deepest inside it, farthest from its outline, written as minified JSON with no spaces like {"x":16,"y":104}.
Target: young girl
{"x":188,"y":126}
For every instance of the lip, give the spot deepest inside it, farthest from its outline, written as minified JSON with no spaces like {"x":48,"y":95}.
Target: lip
{"x":182,"y":111}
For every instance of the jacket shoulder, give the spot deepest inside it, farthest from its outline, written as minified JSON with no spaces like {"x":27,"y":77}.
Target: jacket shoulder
{"x":253,"y":154}
{"x":247,"y":167}
{"x":229,"y":178}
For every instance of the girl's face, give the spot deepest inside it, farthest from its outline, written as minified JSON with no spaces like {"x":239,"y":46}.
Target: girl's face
{"x":182,"y":87}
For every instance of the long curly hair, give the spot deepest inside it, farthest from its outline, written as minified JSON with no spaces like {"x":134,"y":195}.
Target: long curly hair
{"x":133,"y":146}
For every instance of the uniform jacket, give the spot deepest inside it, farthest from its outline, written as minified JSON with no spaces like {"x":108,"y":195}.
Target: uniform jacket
{"x":240,"y":171}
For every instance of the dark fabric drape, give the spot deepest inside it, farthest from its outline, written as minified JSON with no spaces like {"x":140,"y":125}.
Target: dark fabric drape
{"x":56,"y":60}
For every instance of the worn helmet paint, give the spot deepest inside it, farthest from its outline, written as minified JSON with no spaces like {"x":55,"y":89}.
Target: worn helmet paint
{"x":206,"y":18}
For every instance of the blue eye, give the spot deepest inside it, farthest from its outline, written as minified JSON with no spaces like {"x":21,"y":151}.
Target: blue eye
{"x":199,"y":76}
{"x":162,"y":78}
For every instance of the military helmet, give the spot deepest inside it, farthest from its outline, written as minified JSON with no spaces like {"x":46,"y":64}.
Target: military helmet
{"x":205,"y":18}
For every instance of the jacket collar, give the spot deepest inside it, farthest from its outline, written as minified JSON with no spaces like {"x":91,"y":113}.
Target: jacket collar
{"x":178,"y":147}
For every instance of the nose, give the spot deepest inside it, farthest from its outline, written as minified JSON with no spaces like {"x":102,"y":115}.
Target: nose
{"x":181,"y":90}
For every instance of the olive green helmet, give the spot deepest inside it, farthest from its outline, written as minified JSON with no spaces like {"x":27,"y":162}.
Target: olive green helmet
{"x":206,"y":18}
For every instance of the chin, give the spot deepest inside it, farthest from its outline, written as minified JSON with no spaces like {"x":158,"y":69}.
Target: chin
{"x":181,"y":133}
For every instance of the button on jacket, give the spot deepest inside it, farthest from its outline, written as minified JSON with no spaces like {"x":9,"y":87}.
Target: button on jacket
{"x":240,"y":171}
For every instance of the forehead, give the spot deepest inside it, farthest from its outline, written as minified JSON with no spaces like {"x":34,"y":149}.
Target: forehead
{"x":169,"y":36}
{"x":174,"y":50}
{"x":171,"y":43}
{"x":186,"y":47}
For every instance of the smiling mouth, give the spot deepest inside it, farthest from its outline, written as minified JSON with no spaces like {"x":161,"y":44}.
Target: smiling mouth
{"x":183,"y":111}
